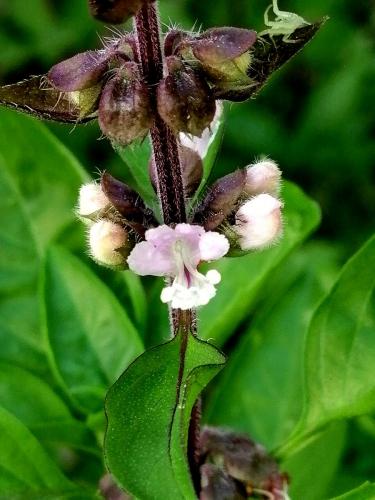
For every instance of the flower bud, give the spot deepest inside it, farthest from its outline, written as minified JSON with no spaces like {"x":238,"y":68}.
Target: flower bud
{"x":224,"y":55}
{"x":258,"y":222}
{"x":184,"y":99}
{"x":124,"y":110}
{"x":109,"y":244}
{"x":221,"y":200}
{"x":92,"y":201}
{"x":262,"y":177}
{"x":115,"y":11}
{"x":243,"y":460}
{"x":126,"y":201}
{"x":80,"y":72}
{"x":85,"y":101}
{"x":216,"y":484}
{"x":191,"y":169}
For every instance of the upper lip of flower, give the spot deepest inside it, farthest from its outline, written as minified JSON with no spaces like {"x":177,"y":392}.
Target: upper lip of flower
{"x":177,"y":253}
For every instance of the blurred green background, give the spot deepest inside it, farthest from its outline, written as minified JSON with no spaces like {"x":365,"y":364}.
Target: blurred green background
{"x":315,"y":118}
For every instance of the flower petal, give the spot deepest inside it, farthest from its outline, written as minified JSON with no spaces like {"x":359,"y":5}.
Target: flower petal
{"x":213,"y":246}
{"x":146,"y":258}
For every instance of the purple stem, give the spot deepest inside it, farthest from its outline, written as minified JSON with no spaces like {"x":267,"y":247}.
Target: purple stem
{"x":170,"y":186}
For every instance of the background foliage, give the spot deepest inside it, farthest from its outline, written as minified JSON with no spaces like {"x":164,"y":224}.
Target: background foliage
{"x":316,"y":119}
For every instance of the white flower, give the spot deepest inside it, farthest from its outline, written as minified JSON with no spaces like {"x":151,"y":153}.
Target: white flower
{"x":176,"y":253}
{"x":106,"y":239}
{"x":258,"y":222}
{"x":263,"y":177}
{"x":91,"y":200}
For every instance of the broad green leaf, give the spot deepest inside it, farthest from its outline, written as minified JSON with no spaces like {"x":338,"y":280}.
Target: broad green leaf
{"x":136,"y":174}
{"x":312,"y":466}
{"x":244,"y":277}
{"x":364,"y":492}
{"x":39,"y":181}
{"x":90,"y":336}
{"x":26,"y":471}
{"x":35,"y":404}
{"x":340,"y":347}
{"x":148,"y":411}
{"x":260,"y":391}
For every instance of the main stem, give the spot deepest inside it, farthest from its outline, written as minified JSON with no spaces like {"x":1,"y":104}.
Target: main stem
{"x":169,"y":175}
{"x":164,"y":143}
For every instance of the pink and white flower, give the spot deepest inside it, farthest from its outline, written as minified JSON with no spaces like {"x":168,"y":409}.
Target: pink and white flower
{"x":258,"y":222}
{"x":176,"y":253}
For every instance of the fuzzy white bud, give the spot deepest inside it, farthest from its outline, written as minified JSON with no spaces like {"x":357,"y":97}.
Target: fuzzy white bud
{"x":258,"y":222}
{"x":105,"y":240}
{"x":91,"y":200}
{"x":263,"y":177}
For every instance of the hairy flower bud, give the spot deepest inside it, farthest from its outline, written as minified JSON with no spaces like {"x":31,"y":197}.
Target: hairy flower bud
{"x":258,"y":222}
{"x":109,"y":244}
{"x":184,"y":99}
{"x":225,"y":57}
{"x":262,"y":177}
{"x":242,"y":460}
{"x":216,"y":484}
{"x":191,"y":169}
{"x":124,"y":110}
{"x":126,"y":201}
{"x":92,"y":201}
{"x":115,"y":11}
{"x":80,"y":72}
{"x":221,"y":200}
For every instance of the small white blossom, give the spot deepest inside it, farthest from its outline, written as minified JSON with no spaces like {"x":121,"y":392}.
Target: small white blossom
{"x":258,"y":222}
{"x":91,"y":200}
{"x":176,"y":253}
{"x":106,"y":239}
{"x":263,"y":177}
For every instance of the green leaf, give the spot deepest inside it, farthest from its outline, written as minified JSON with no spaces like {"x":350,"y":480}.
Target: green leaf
{"x":148,"y":412}
{"x":39,"y":181}
{"x":312,"y":466}
{"x":260,"y":392}
{"x":365,"y":492}
{"x":136,"y":175}
{"x":35,"y":404}
{"x":340,"y":347}
{"x":90,"y":336}
{"x":25,"y":468}
{"x":244,"y":277}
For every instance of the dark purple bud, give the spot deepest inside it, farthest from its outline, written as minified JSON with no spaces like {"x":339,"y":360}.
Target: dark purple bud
{"x":115,"y":11}
{"x":216,"y":484}
{"x":221,"y":200}
{"x":223,"y":53}
{"x":125,"y":200}
{"x":33,"y":97}
{"x":184,"y":99}
{"x":172,"y":40}
{"x":243,"y":460}
{"x":80,"y":72}
{"x":192,"y":170}
{"x":125,"y":113}
{"x":219,"y":45}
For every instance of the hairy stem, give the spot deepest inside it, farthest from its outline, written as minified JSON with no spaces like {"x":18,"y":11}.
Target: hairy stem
{"x":164,"y":143}
{"x":170,"y":186}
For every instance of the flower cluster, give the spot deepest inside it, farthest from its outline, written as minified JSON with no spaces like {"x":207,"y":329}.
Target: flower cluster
{"x":234,"y":466}
{"x":198,"y":70}
{"x":239,"y":213}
